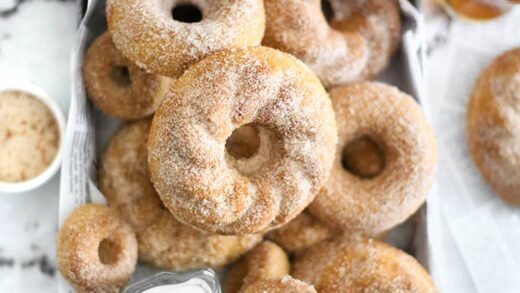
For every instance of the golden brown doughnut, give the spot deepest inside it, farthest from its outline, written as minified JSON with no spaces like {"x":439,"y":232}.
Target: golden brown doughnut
{"x":164,"y":242}
{"x":204,"y":186}
{"x":286,"y":284}
{"x":147,"y":33}
{"x":355,"y":44}
{"x":116,"y":86}
{"x":96,"y":251}
{"x":266,"y":261}
{"x":399,"y":137}
{"x":174,"y":246}
{"x":493,"y":121}
{"x":378,"y":21}
{"x":361,"y":265}
{"x":300,"y":233}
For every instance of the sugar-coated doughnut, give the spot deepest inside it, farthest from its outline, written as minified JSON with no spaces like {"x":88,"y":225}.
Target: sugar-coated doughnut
{"x":361,"y":265}
{"x":389,"y":131}
{"x":116,"y":86}
{"x":285,"y":284}
{"x":303,"y":232}
{"x":171,"y":245}
{"x":378,"y":21}
{"x":200,"y":183}
{"x":124,"y":178}
{"x":356,"y":43}
{"x":148,"y":34}
{"x":299,"y":234}
{"x":96,"y":250}
{"x":266,"y":261}
{"x":493,"y":121}
{"x":164,"y":242}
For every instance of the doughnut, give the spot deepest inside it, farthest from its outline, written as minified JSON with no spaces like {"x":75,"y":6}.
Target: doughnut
{"x":378,"y":21}
{"x":361,"y":265}
{"x":164,"y":242}
{"x":303,"y":232}
{"x":385,"y":160}
{"x":286,"y":284}
{"x":166,"y":37}
{"x":96,"y":251}
{"x":173,"y":246}
{"x":299,"y":234}
{"x":124,"y":178}
{"x":116,"y":86}
{"x":355,"y":44}
{"x":201,"y":183}
{"x":492,"y":124}
{"x":267,"y":260}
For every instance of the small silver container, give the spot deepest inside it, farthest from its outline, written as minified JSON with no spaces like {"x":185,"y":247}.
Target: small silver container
{"x":199,"y":281}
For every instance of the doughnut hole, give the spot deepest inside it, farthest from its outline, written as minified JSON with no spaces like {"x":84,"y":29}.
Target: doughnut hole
{"x":363,"y":157}
{"x":327,"y":10}
{"x":121,"y":76}
{"x":249,"y":148}
{"x":188,"y":13}
{"x":108,"y":251}
{"x":243,"y":142}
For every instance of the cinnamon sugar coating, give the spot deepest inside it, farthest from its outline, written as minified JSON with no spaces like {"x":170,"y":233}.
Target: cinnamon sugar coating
{"x":96,"y":250}
{"x":266,"y":261}
{"x":286,"y":284}
{"x":361,"y":265}
{"x":163,"y":241}
{"x":395,"y":123}
{"x":355,"y":44}
{"x":378,"y":21}
{"x":299,"y":234}
{"x":148,"y":35}
{"x":493,"y":123}
{"x":116,"y":86}
{"x":204,"y":186}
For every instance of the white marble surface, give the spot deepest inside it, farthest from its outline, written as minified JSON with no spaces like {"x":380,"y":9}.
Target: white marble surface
{"x":36,"y":37}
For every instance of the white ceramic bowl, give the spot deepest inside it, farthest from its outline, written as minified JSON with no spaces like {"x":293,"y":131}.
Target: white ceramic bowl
{"x":46,"y":175}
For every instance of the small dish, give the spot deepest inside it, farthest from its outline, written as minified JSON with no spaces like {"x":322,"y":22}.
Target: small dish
{"x":46,"y":175}
{"x":199,"y":281}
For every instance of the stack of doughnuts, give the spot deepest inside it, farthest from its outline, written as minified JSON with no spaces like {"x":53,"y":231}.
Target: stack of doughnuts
{"x":230,"y":137}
